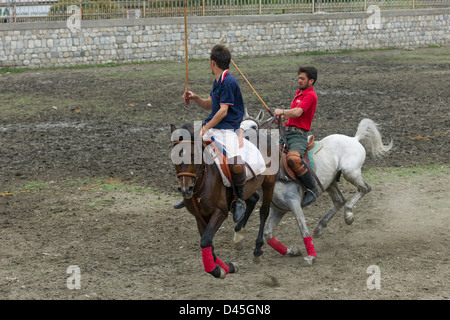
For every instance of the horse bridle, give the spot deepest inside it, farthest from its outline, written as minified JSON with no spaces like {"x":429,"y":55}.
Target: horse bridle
{"x":202,"y":167}
{"x":195,"y":175}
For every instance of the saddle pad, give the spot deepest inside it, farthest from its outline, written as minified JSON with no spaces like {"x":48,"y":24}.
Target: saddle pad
{"x":312,"y":152}
{"x":252,"y":157}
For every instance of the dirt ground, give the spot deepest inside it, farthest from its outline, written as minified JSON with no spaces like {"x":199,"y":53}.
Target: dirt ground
{"x":86,"y":180}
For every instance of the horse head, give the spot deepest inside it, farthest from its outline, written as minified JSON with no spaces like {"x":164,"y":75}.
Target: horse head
{"x":187,"y":158}
{"x":251,"y":123}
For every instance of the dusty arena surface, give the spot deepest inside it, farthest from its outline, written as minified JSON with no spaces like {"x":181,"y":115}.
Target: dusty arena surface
{"x":86,"y":182}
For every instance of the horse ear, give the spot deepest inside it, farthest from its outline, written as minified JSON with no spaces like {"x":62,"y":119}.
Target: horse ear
{"x":260,"y":116}
{"x":246,"y":115}
{"x":172,"y":128}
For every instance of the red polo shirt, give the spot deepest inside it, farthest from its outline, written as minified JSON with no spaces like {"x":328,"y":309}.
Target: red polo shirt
{"x":307,"y":100}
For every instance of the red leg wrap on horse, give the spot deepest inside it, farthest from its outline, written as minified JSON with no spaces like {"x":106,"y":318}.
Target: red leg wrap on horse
{"x":221,"y":264}
{"x":208,"y":260}
{"x":277,"y":245}
{"x":310,"y":250}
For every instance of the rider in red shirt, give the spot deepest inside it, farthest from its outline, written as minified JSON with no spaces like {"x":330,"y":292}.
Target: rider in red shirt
{"x":307,"y":101}
{"x":300,"y":116}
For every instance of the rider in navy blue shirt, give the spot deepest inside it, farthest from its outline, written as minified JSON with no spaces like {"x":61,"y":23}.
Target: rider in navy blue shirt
{"x":226,"y":91}
{"x":227,"y":111}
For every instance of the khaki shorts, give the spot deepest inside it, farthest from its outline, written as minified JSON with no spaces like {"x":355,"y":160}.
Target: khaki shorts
{"x":297,"y":141}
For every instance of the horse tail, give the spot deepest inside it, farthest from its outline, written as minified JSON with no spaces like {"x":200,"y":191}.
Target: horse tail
{"x":368,"y":134}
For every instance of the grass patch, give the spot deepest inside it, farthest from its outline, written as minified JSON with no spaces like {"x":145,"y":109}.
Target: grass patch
{"x":85,"y":66}
{"x":107,"y":185}
{"x":380,"y":175}
{"x":36,"y":186}
{"x":32,"y":186}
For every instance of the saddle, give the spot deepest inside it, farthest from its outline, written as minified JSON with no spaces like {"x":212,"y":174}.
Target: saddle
{"x":286,"y":173}
{"x":253,"y":160}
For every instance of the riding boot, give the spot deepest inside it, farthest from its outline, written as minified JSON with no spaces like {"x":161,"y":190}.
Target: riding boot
{"x":238,"y":176}
{"x":300,"y":168}
{"x":311,"y":193}
{"x":238,"y":205}
{"x":179,"y":205}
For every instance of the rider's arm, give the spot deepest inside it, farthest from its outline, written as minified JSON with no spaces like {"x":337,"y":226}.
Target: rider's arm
{"x":293,"y":113}
{"x":298,"y":110}
{"x":203,"y":103}
{"x":217,"y":117}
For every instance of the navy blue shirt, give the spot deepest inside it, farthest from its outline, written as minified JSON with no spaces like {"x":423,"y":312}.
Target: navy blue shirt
{"x":227,"y":91}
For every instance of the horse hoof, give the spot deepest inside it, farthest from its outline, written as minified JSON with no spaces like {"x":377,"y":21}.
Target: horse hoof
{"x":233,"y":267}
{"x":238,"y":245}
{"x":294,"y":251}
{"x":318,"y":231}
{"x":222,"y":274}
{"x":308,"y":261}
{"x":348,"y":218}
{"x":238,"y":240}
{"x":218,"y":272}
{"x":257,"y":259}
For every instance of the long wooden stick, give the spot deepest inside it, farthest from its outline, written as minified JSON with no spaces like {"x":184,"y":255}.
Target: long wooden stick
{"x":222,"y":38}
{"x":249,"y":84}
{"x":186,"y":49}
{"x":251,"y":87}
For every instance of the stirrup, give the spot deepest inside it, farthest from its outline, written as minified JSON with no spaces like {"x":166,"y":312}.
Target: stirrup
{"x":179,"y":205}
{"x":307,"y":199}
{"x":238,"y":213}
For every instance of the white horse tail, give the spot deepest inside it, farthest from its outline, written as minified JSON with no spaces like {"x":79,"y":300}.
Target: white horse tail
{"x":368,"y":134}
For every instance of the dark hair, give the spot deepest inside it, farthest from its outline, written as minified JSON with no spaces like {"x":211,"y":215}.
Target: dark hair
{"x":311,"y":73}
{"x":221,"y":56}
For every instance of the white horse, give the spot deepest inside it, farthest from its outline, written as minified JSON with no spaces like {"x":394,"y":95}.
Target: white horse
{"x":339,"y":155}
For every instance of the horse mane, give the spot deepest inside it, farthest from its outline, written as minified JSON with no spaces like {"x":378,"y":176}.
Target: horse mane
{"x":189,"y":127}
{"x":185,"y":127}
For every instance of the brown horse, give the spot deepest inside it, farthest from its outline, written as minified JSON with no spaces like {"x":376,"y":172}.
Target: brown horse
{"x":208,"y":199}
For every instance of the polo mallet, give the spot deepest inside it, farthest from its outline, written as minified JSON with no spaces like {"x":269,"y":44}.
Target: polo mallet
{"x":249,"y":84}
{"x":251,"y":87}
{"x":186,"y":51}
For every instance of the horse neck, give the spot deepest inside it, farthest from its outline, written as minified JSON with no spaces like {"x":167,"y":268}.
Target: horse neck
{"x":201,"y":179}
{"x":207,"y":178}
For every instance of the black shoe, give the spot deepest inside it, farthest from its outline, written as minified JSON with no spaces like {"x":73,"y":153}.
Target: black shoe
{"x":309,"y":197}
{"x":238,"y":209}
{"x":311,"y":193}
{"x":179,"y":205}
{"x":238,"y":205}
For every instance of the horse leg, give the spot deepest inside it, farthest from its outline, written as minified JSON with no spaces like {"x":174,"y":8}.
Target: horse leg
{"x":338,"y":201}
{"x":208,"y":255}
{"x":274,"y":219}
{"x":355,"y":178}
{"x":238,"y":238}
{"x":307,"y":240}
{"x":263,"y":215}
{"x":229,"y":267}
{"x":267,"y":191}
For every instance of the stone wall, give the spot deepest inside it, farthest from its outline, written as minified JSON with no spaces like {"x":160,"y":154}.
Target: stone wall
{"x":138,"y":40}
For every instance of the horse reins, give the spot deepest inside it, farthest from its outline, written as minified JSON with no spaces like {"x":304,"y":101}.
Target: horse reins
{"x":190,"y":174}
{"x":195,"y":176}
